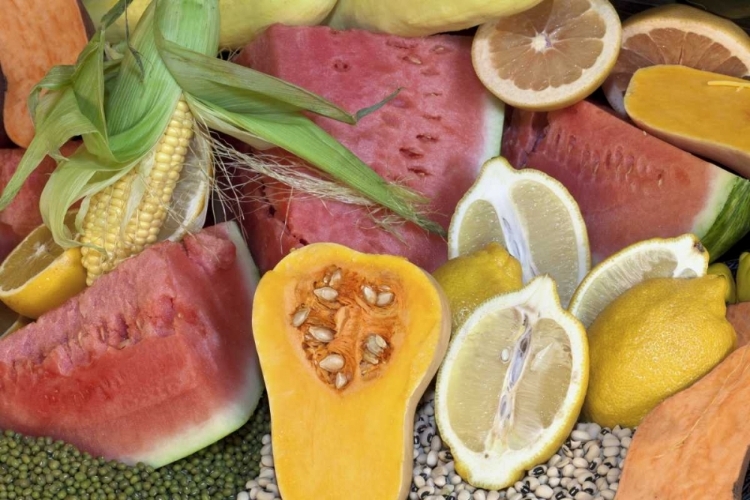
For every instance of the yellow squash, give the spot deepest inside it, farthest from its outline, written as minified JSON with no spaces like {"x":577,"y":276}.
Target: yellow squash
{"x":241,"y":20}
{"x":348,"y":343}
{"x":415,"y":18}
{"x":702,"y":112}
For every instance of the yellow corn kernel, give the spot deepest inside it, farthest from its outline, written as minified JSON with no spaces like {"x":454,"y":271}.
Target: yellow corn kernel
{"x":103,"y":221}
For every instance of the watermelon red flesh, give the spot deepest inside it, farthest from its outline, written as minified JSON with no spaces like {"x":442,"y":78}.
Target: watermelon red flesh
{"x":432,"y":137}
{"x":153,"y":362}
{"x":22,"y":215}
{"x":629,"y":185}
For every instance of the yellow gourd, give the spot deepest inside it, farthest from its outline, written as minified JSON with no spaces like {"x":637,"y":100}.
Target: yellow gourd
{"x":702,"y":112}
{"x":241,"y":20}
{"x":413,"y":18}
{"x":348,"y":343}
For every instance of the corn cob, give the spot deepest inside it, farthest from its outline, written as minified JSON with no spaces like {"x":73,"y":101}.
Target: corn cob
{"x":103,"y":223}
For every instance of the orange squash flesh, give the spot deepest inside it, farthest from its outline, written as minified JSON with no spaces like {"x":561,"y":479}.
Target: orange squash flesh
{"x":354,"y":441}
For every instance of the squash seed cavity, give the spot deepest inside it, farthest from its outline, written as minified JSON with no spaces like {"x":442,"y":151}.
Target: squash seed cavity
{"x":346,"y":322}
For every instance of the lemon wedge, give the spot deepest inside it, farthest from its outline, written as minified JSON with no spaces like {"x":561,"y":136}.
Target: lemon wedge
{"x":680,"y":257}
{"x":39,"y":275}
{"x":532,"y":215}
{"x":512,"y":385}
{"x":550,"y":56}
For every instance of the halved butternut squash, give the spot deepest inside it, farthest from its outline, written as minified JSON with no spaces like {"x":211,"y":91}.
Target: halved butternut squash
{"x":348,"y":342}
{"x":705,"y":113}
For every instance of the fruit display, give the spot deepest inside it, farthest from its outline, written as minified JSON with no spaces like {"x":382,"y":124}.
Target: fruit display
{"x":378,"y":250}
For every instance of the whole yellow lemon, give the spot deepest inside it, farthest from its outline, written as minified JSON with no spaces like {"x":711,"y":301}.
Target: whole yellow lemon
{"x":469,"y":280}
{"x":654,"y":340}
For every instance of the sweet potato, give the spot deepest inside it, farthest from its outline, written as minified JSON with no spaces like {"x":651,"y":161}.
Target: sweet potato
{"x":34,"y":36}
{"x":739,"y":316}
{"x":695,"y":444}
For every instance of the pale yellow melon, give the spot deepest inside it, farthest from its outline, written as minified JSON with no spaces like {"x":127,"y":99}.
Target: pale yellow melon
{"x":414,"y":18}
{"x":241,"y":20}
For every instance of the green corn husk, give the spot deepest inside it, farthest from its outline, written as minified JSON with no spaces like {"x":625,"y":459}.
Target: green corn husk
{"x":121,"y":105}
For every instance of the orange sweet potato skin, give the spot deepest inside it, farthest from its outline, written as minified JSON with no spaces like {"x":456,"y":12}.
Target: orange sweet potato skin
{"x":739,"y":316}
{"x":695,"y":444}
{"x":34,"y":36}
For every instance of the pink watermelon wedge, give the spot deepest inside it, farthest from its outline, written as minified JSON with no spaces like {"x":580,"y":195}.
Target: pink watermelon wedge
{"x":153,"y":362}
{"x":23,"y":215}
{"x":432,"y":137}
{"x":629,"y":185}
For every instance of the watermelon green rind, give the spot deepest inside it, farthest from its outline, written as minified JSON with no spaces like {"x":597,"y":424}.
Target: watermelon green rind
{"x":494,"y":125}
{"x":232,"y":416}
{"x":732,"y":221}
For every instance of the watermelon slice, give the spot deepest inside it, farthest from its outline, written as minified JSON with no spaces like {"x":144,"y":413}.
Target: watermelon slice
{"x":432,"y":137}
{"x":629,"y":185}
{"x":153,"y":362}
{"x":23,"y":215}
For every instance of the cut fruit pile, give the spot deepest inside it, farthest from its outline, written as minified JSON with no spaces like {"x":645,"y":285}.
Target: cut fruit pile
{"x":542,"y":365}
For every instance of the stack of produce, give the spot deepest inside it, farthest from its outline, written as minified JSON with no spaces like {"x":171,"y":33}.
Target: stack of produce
{"x":484,"y":257}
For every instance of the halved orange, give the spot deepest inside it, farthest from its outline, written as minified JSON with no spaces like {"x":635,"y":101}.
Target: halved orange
{"x":677,"y":34}
{"x":550,"y":56}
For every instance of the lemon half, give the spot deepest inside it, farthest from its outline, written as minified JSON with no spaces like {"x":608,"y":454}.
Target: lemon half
{"x":550,"y":56}
{"x":532,"y":215}
{"x":680,"y":257}
{"x":512,"y":384}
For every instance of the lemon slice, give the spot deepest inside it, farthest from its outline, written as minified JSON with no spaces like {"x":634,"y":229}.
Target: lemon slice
{"x":550,"y":56}
{"x":39,"y":275}
{"x":680,"y":257}
{"x":512,"y":384}
{"x":532,"y":215}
